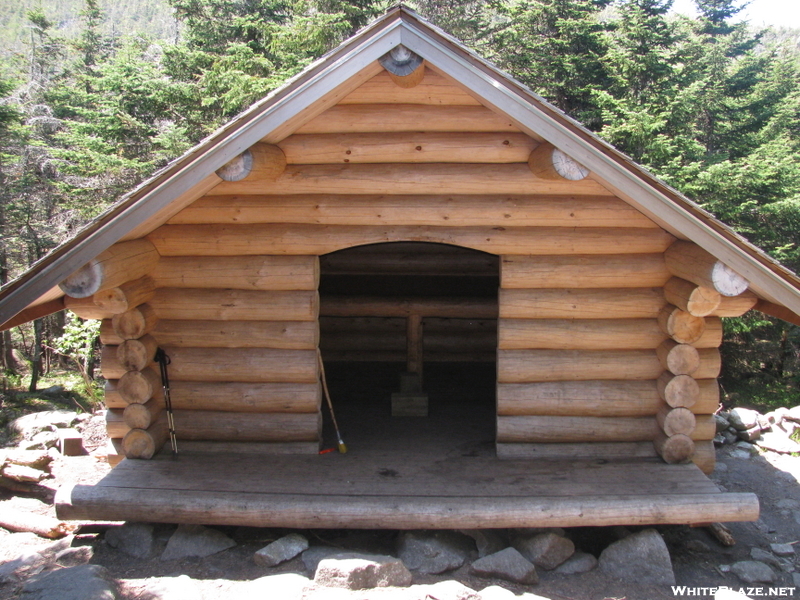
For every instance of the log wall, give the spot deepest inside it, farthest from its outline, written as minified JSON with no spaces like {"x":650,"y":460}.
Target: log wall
{"x":593,"y":358}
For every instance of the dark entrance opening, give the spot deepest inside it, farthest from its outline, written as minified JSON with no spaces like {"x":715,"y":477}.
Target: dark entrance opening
{"x":375,"y":301}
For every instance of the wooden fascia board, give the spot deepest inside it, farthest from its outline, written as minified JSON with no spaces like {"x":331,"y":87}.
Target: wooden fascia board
{"x":631,"y":184}
{"x":231,"y":141}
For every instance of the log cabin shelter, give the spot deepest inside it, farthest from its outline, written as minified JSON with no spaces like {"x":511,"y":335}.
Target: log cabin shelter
{"x":518,"y":325}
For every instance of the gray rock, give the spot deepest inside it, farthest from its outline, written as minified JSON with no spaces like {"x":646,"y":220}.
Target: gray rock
{"x":488,"y":541}
{"x":742,"y":445}
{"x":195,"y":540}
{"x":729,"y":437}
{"x":743,"y":418}
{"x":642,"y":557}
{"x":286,"y":586}
{"x":49,"y":420}
{"x":789,"y":503}
{"x":135,"y":539}
{"x":796,"y":579}
{"x":355,"y":571}
{"x":721,"y":467}
{"x":313,"y":556}
{"x":286,"y":548}
{"x":778,"y":442}
{"x":580,"y":562}
{"x":766,"y":557}
{"x":433,"y":552}
{"x":507,"y":564}
{"x":722,"y":423}
{"x":743,"y":454}
{"x":782,"y":549}
{"x":40,"y":441}
{"x":750,"y":435}
{"x":27,"y":563}
{"x":719,"y":440}
{"x":545,"y":550}
{"x":72,"y":557}
{"x":87,"y":582}
{"x":752,"y":571}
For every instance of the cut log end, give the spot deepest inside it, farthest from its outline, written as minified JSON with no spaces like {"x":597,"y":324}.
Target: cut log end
{"x":674,"y":449}
{"x":262,"y":161}
{"x":727,"y":281}
{"x":678,"y":390}
{"x":84,"y":282}
{"x":548,"y":162}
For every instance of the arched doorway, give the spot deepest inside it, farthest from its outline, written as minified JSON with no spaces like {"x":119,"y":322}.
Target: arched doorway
{"x":408,"y":335}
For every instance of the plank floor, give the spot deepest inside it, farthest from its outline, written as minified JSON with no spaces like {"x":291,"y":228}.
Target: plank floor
{"x":439,"y":471}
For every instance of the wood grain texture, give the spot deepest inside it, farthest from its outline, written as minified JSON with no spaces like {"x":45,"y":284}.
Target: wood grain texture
{"x":241,"y":397}
{"x":407,"y":147}
{"x":579,"y":334}
{"x":235,"y":305}
{"x":255,"y":365}
{"x":559,"y":429}
{"x":391,"y":178}
{"x":632,"y":303}
{"x":434,"y":89}
{"x":529,"y":366}
{"x":247,"y":427}
{"x":289,"y":335}
{"x":291,"y":239}
{"x":273,"y":273}
{"x":431,"y":210}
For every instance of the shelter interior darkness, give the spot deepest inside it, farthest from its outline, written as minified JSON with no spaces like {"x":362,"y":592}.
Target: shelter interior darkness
{"x":365,"y":293}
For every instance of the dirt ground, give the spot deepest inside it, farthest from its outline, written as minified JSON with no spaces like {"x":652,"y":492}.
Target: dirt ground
{"x":697,"y":557}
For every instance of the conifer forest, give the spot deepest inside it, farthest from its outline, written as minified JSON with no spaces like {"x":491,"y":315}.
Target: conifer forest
{"x":96,"y":96}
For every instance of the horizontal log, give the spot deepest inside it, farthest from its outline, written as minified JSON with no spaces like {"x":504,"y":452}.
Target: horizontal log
{"x":85,"y":502}
{"x":246,"y":397}
{"x":410,"y":259}
{"x":584,"y":271}
{"x":705,"y":429}
{"x":192,"y":304}
{"x":591,"y":451}
{"x":579,"y":398}
{"x":529,"y":366}
{"x":736,"y":306}
{"x":260,"y":161}
{"x":270,"y":273}
{"x":114,"y":452}
{"x":85,"y":308}
{"x":368,"y":306}
{"x":260,"y":448}
{"x":696,"y":300}
{"x":407,"y":147}
{"x":145,"y":443}
{"x":115,"y":423}
{"x":125,"y":296}
{"x":549,"y":429}
{"x":712,"y":334}
{"x":401,"y":178}
{"x":676,"y":420}
{"x":678,"y":359}
{"x":434,"y":89}
{"x":632,"y":303}
{"x":134,"y":323}
{"x":710,"y":364}
{"x":137,"y":387}
{"x":400,"y":210}
{"x":705,"y":456}
{"x":678,"y":390}
{"x":680,"y":325}
{"x":231,"y":240}
{"x":142,"y":416}
{"x":689,"y":261}
{"x":108,"y":336}
{"x":579,"y":334}
{"x":255,"y":365}
{"x":380,"y":118}
{"x":708,"y":397}
{"x":548,"y":162}
{"x":288,"y":335}
{"x":251,"y":427}
{"x":110,"y":367}
{"x":674,"y":449}
{"x":125,"y":261}
{"x":112,"y":397}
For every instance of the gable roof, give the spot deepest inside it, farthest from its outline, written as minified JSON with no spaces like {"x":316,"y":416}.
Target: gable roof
{"x":325,"y":82}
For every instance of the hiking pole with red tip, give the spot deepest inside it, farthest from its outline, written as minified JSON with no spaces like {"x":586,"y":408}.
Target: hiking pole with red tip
{"x":342,"y":447}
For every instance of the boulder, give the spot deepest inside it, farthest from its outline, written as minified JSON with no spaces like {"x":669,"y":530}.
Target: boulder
{"x":642,"y":557}
{"x":793,"y":414}
{"x":48,"y":420}
{"x":135,"y":539}
{"x":281,"y":550}
{"x":313,"y":556}
{"x":753,"y":571}
{"x":580,"y":562}
{"x":507,"y":564}
{"x":750,"y":435}
{"x":87,"y":582}
{"x":27,"y":563}
{"x":776,"y":441}
{"x":433,"y":552}
{"x":722,"y":423}
{"x":782,"y":549}
{"x":766,"y":557}
{"x":488,"y":541}
{"x":72,"y":557}
{"x":743,"y":418}
{"x":195,"y":540}
{"x":729,"y":437}
{"x":355,"y":571}
{"x":545,"y":550}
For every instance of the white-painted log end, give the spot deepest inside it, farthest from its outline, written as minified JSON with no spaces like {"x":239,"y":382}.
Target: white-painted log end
{"x":727,"y":281}
{"x":84,"y":282}
{"x":238,"y":168}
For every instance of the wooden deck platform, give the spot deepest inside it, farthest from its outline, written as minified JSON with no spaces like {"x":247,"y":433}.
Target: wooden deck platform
{"x":368,"y":489}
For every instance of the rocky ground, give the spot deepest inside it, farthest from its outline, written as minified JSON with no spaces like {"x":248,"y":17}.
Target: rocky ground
{"x":164,"y":562}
